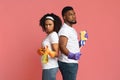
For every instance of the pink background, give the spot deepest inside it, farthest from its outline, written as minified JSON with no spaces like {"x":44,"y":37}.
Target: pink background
{"x":20,"y":37}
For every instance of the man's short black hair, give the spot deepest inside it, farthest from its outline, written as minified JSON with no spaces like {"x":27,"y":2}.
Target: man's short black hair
{"x":65,"y":9}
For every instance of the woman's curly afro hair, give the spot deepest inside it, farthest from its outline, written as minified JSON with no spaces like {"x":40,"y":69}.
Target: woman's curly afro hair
{"x":57,"y":22}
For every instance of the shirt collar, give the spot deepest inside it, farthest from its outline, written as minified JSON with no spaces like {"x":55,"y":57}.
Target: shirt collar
{"x":67,"y":26}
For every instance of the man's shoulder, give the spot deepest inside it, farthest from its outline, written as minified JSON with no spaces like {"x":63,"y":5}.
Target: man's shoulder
{"x":63,"y":29}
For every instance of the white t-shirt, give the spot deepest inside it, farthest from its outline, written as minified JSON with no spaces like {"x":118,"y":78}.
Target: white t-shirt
{"x":72,"y":44}
{"x":50,"y":39}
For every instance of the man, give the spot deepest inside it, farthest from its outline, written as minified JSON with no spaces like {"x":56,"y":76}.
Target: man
{"x":69,"y":45}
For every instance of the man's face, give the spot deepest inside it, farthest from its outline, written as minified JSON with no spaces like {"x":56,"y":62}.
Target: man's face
{"x":70,"y":17}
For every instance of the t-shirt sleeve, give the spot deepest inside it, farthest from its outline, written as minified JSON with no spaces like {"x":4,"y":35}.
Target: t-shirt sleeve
{"x":54,"y":38}
{"x":64,"y":32}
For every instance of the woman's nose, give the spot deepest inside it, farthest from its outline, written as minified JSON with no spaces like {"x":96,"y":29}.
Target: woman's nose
{"x":47,"y":26}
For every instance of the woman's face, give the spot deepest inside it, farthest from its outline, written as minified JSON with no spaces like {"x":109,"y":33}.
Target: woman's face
{"x":49,"y":26}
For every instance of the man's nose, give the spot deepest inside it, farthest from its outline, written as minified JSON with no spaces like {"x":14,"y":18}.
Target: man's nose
{"x":74,"y":16}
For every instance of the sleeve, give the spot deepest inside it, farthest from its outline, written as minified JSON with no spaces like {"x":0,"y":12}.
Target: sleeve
{"x":54,"y":38}
{"x":64,"y":32}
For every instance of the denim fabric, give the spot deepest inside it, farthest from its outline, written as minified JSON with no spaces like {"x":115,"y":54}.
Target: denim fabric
{"x":68,"y":70}
{"x":49,"y":74}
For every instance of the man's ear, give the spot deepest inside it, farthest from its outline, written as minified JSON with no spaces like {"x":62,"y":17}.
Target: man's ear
{"x":64,"y":17}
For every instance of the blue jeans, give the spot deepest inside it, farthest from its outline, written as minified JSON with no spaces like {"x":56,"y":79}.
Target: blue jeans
{"x":49,"y":74}
{"x":68,"y":70}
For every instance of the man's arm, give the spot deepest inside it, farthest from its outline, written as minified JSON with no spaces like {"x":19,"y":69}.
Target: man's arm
{"x":62,"y":45}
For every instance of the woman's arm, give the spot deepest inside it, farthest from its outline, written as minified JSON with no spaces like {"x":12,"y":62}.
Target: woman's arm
{"x":55,"y":48}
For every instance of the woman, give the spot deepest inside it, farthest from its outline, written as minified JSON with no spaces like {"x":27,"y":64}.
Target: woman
{"x":51,"y":24}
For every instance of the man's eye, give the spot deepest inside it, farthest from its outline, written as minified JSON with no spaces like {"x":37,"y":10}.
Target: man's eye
{"x":50,"y":24}
{"x":70,"y":14}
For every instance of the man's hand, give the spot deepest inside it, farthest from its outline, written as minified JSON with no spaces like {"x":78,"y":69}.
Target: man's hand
{"x":75,"y":56}
{"x":84,"y":38}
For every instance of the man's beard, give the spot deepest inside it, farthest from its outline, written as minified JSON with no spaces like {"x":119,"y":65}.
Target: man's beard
{"x":72,"y":22}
